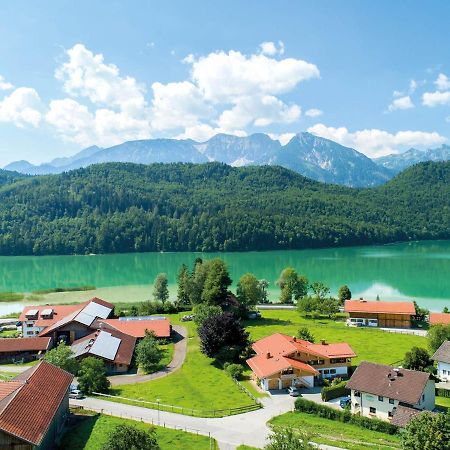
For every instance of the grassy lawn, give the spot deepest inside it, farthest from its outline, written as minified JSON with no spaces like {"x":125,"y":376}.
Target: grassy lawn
{"x":443,"y":403}
{"x":198,"y":384}
{"x":246,"y":447}
{"x":369,"y":344}
{"x":330,"y":432}
{"x":9,"y":334}
{"x":92,"y":432}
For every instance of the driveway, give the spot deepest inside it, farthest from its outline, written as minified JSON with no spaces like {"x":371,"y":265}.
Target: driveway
{"x":248,"y":428}
{"x":179,"y":355}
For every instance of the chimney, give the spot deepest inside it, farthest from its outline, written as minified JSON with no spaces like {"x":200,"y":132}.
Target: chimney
{"x":268,"y":355}
{"x":323,"y":342}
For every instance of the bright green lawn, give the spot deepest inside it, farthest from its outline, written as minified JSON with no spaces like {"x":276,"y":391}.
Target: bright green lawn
{"x":443,"y":403}
{"x":198,"y":384}
{"x":246,"y":447}
{"x":9,"y":334}
{"x":330,"y":432}
{"x":92,"y":433}
{"x":369,"y":344}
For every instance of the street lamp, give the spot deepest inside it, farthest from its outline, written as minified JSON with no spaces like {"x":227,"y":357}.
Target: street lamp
{"x":158,"y":401}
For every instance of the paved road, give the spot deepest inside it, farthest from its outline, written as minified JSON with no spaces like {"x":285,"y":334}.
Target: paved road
{"x":179,"y":355}
{"x":14,"y":368}
{"x":248,"y":428}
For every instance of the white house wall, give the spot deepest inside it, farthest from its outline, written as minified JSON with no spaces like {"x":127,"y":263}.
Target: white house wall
{"x":443,"y":371}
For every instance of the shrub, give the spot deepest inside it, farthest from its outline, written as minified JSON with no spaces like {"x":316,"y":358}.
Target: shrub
{"x":234,"y":370}
{"x":443,"y":393}
{"x":334,"y":391}
{"x":326,"y":412}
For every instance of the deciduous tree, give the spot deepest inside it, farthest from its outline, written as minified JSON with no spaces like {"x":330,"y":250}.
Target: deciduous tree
{"x":288,"y":439}
{"x":161,"y":288}
{"x":417,"y":359}
{"x":92,"y":375}
{"x":148,"y":353}
{"x":344,"y":293}
{"x":437,"y":334}
{"x":248,"y":293}
{"x":215,"y":290}
{"x":127,"y":437}
{"x":63,"y":357}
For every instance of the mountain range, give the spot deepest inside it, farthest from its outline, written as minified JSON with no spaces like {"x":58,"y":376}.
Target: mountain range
{"x":309,"y":155}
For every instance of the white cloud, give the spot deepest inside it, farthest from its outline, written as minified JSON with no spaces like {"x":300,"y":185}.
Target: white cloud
{"x":4,"y":85}
{"x":313,"y":112}
{"x":21,"y":107}
{"x":270,"y":48}
{"x":375,"y":143}
{"x":413,"y":85}
{"x":284,"y":138}
{"x":436,"y":98}
{"x":442,"y":82}
{"x":224,"y":77}
{"x":401,"y":103}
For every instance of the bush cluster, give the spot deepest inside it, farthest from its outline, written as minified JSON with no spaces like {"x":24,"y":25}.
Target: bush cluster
{"x":326,"y":412}
{"x":234,"y":370}
{"x":334,"y":391}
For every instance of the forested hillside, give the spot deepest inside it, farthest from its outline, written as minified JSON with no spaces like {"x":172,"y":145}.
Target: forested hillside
{"x":185,"y":207}
{"x":7,"y":176}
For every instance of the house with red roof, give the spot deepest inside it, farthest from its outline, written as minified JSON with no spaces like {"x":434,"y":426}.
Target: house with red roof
{"x":34,"y":407}
{"x":363,"y":313}
{"x":439,"y":318}
{"x":282,"y":361}
{"x":68,"y":322}
{"x":12,"y":349}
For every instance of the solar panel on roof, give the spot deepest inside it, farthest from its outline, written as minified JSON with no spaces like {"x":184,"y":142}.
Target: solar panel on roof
{"x":84,"y":318}
{"x":127,"y":319}
{"x":106,"y":345}
{"x":95,"y":310}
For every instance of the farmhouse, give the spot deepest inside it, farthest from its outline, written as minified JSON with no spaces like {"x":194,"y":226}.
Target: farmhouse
{"x":388,"y":393}
{"x":363,"y":313}
{"x":442,"y":357}
{"x":282,"y":361}
{"x":439,"y":318}
{"x":27,"y":349}
{"x":78,"y":324}
{"x":34,"y":408}
{"x":112,"y":346}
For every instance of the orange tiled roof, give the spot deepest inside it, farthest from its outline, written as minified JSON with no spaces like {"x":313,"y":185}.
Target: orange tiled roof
{"x":281,"y":344}
{"x":59,"y":311}
{"x":137,"y":328}
{"x":356,"y":306}
{"x":264,"y":367}
{"x":8,"y":345}
{"x":28,"y":410}
{"x":439,"y":318}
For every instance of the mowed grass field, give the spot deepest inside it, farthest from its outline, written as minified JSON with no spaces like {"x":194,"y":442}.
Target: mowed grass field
{"x":369,"y":344}
{"x":91,"y":433}
{"x":334,"y":433}
{"x":199,"y":384}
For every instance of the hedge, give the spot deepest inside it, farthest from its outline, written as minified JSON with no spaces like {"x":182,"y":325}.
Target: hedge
{"x":309,"y":407}
{"x":442,"y":392}
{"x":338,"y":390}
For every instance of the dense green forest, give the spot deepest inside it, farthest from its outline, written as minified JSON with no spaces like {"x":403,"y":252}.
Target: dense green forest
{"x":6,"y":176}
{"x":185,"y":207}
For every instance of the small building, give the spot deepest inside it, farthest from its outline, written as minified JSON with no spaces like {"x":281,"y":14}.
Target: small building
{"x":138,"y":326}
{"x":112,"y":346}
{"x":34,"y":408}
{"x":282,"y":361}
{"x":19,"y":348}
{"x":439,"y":318}
{"x":442,"y":357}
{"x":389,"y":393}
{"x":363,"y":313}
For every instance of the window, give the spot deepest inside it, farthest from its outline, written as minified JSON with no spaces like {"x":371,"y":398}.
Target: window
{"x":391,"y":401}
{"x":333,"y":371}
{"x":391,"y":414}
{"x":357,"y":394}
{"x":326,"y":371}
{"x":380,"y":398}
{"x":338,"y":360}
{"x":373,"y":410}
{"x":444,"y":372}
{"x":423,"y":397}
{"x":29,"y":325}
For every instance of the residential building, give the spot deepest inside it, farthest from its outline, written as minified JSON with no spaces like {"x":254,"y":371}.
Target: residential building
{"x":439,"y":318}
{"x":34,"y":407}
{"x":137,"y":326}
{"x":363,"y":313}
{"x":13,"y":349}
{"x":112,"y":346}
{"x":442,"y":357}
{"x":389,"y":393}
{"x":282,"y":361}
{"x":79,"y":323}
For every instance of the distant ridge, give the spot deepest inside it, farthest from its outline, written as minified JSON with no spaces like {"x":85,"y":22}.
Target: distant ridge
{"x":312,"y":156}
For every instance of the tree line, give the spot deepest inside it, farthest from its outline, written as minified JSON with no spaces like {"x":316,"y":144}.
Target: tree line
{"x":123,"y":207}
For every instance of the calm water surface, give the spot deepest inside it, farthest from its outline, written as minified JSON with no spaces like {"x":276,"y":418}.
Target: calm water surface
{"x":418,"y":270}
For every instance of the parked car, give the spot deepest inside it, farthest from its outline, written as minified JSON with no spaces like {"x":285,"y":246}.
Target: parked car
{"x":187,"y":318}
{"x":76,"y":393}
{"x":344,"y":402}
{"x":293,"y":391}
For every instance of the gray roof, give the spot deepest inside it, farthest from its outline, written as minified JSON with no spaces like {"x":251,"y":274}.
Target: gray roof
{"x":442,"y":354}
{"x":403,"y":415}
{"x":400,"y":384}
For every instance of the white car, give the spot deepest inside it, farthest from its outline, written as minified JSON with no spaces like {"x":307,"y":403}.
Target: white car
{"x":76,"y":393}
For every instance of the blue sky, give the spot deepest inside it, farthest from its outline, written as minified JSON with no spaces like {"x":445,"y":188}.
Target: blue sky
{"x":372,"y":75}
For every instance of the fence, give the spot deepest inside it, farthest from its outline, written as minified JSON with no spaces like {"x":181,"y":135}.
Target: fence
{"x":164,"y":424}
{"x":182,"y":409}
